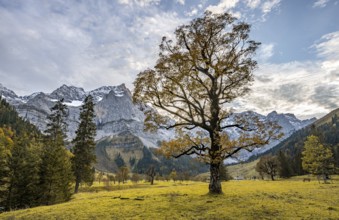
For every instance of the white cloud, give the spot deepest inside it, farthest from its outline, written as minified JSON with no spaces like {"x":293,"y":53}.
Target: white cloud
{"x":265,"y":52}
{"x":236,"y":14}
{"x":328,"y":46}
{"x":289,"y":87}
{"x":234,"y":7}
{"x":223,"y":6}
{"x":126,"y":2}
{"x":320,"y":3}
{"x":73,"y":45}
{"x":308,"y":89}
{"x":193,"y":12}
{"x":141,"y":3}
{"x":269,"y":5}
{"x":182,"y":2}
{"x":253,"y":3}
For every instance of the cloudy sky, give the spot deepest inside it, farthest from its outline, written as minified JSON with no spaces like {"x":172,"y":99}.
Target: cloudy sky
{"x":91,"y":43}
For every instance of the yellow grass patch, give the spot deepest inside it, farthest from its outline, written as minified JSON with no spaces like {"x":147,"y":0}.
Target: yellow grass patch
{"x":288,"y":199}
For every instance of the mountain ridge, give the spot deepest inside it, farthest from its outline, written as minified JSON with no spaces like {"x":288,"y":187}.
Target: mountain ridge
{"x":116,"y":113}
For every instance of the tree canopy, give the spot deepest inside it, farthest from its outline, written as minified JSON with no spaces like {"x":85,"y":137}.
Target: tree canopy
{"x":316,"y":158}
{"x":207,"y":66}
{"x":268,"y":165}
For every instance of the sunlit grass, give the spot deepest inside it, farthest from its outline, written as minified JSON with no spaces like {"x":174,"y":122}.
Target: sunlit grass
{"x":286,"y":199}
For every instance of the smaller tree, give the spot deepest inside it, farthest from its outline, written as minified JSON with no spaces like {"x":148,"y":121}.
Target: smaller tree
{"x":111,"y":178}
{"x":268,"y":165}
{"x":135,"y":178}
{"x":316,"y":158}
{"x":167,"y":177}
{"x":173,"y":175}
{"x":186,"y":176}
{"x":100,"y":176}
{"x":151,"y":174}
{"x":183,"y":176}
{"x":122,"y":174}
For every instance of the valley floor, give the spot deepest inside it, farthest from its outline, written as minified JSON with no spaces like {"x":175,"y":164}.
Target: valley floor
{"x":246,"y":199}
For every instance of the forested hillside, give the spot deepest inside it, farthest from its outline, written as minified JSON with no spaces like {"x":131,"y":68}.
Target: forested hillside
{"x":289,"y":150}
{"x":9,"y":118}
{"x":20,"y":160}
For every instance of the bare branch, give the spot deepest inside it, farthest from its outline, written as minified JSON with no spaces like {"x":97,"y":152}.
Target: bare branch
{"x":244,"y":128}
{"x":192,"y":150}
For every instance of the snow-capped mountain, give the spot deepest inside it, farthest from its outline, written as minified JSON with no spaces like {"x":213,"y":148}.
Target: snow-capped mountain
{"x":114,"y":109}
{"x":116,"y":114}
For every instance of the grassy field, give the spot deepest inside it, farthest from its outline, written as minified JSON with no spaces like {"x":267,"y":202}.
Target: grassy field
{"x":285,"y":199}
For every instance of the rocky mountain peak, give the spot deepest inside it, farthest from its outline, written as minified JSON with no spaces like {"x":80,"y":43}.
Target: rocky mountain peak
{"x":120,"y":105}
{"x":118,"y":91}
{"x":4,"y":92}
{"x":272,"y":114}
{"x":289,"y":120}
{"x":69,"y":93}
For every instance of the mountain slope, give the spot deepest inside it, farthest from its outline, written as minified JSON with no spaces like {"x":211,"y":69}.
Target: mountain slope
{"x":289,"y":124}
{"x":326,"y":128}
{"x":327,"y":118}
{"x":138,"y":158}
{"x":9,"y":118}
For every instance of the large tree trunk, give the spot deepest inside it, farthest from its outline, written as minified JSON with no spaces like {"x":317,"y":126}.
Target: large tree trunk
{"x":215,"y":184}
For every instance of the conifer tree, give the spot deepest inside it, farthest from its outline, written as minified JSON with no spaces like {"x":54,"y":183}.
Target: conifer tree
{"x":24,"y":167}
{"x":6,"y":144}
{"x":285,"y":169}
{"x":56,"y":169}
{"x":316,"y":158}
{"x":84,"y":145}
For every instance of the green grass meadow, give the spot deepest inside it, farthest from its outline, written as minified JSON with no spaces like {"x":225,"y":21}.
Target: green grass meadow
{"x":245,"y":199}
